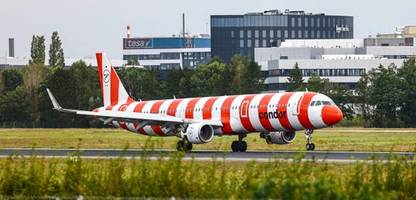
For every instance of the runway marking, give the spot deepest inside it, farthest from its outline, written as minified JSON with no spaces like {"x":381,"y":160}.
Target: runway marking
{"x":210,"y":155}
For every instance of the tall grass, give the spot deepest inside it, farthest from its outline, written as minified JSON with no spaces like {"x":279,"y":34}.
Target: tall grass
{"x":37,"y":178}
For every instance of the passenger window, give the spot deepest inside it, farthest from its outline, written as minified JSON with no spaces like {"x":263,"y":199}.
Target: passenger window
{"x":318,"y":103}
{"x":312,"y":103}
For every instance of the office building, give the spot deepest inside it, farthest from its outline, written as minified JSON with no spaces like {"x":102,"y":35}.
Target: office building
{"x":241,"y":34}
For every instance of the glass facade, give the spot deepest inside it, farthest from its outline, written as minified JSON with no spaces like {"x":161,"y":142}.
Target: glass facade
{"x":319,"y":72}
{"x":273,"y":29}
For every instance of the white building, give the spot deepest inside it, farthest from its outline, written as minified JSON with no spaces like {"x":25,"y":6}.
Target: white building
{"x":17,"y":62}
{"x":341,"y":61}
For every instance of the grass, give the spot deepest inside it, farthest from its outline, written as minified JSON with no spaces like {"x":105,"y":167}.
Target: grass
{"x":345,"y":139}
{"x":44,"y":178}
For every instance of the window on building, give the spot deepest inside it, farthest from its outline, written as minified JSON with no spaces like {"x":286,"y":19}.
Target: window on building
{"x":170,"y":56}
{"x":300,"y":34}
{"x":318,"y":22}
{"x":293,"y":34}
{"x":241,"y":43}
{"x":263,"y":34}
{"x":306,"y":34}
{"x":286,"y":34}
{"x":232,"y":34}
{"x":256,"y":43}
{"x":312,"y":22}
{"x":249,"y":43}
{"x":306,"y":21}
{"x":312,"y":34}
{"x":256,"y":33}
{"x":323,"y":22}
{"x":249,"y":34}
{"x":318,"y":34}
{"x":293,"y":22}
{"x":279,"y":33}
{"x":264,"y":43}
{"x":271,"y":34}
{"x":299,"y":21}
{"x":241,"y":34}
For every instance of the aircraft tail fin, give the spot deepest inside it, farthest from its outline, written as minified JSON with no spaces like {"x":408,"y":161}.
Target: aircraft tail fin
{"x":112,"y":90}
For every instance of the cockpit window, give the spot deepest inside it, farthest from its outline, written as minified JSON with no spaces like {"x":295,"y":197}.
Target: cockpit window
{"x":312,"y":103}
{"x":326,"y":103}
{"x":318,"y":103}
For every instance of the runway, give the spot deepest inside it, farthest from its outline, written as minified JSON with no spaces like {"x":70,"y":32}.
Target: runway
{"x":261,"y":156}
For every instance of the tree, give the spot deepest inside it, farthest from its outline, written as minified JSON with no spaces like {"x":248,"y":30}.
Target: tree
{"x":141,"y":84}
{"x":56,"y":53}
{"x":363,"y":96}
{"x":1,"y":83}
{"x":407,"y":75}
{"x":180,"y":83}
{"x":315,"y":83}
{"x":37,"y":51}
{"x":33,"y":77}
{"x":385,"y":96}
{"x":235,"y":74}
{"x":12,"y":78}
{"x":252,"y":78}
{"x":15,"y":106}
{"x":87,"y":87}
{"x":63,"y":85}
{"x":295,"y":80}
{"x":209,"y":79}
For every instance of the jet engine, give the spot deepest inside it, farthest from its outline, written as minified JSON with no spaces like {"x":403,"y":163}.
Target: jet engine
{"x":281,"y":137}
{"x":199,"y":133}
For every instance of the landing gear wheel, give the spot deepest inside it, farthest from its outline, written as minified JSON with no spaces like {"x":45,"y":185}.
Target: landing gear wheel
{"x":239,"y":146}
{"x":235,"y":146}
{"x":243,"y":146}
{"x":309,"y":145}
{"x":184,"y":145}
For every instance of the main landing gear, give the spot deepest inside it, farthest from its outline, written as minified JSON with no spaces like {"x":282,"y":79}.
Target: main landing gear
{"x":240,"y":145}
{"x":184,"y":145}
{"x":309,"y":145}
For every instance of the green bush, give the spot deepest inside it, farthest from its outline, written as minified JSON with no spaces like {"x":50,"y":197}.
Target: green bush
{"x":173,"y":177}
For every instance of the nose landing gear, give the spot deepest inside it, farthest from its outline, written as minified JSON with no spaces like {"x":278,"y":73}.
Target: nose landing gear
{"x":240,"y":145}
{"x":310,"y":146}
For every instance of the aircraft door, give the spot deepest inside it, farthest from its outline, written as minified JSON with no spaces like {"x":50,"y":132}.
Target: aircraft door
{"x":244,"y":109}
{"x":294,"y":108}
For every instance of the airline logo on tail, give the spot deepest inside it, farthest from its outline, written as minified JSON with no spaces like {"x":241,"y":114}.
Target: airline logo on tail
{"x":112,"y":90}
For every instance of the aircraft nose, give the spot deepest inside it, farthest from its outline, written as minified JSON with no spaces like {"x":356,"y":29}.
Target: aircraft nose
{"x":331,"y":115}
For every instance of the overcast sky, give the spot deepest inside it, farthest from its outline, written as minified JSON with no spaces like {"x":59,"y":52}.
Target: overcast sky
{"x":86,"y":26}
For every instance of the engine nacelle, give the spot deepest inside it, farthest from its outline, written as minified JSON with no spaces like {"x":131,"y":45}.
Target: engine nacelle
{"x":199,"y":133}
{"x":281,"y":137}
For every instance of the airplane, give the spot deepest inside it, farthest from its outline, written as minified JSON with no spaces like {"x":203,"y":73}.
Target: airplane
{"x":275,"y":116}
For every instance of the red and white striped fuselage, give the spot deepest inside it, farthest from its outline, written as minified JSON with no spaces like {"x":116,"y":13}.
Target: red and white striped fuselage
{"x":289,"y":111}
{"x":277,"y":116}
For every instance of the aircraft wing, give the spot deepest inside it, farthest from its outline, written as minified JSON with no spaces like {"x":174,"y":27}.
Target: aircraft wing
{"x":108,"y":116}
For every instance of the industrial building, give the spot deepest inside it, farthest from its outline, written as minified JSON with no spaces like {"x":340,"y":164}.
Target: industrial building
{"x":241,"y":34}
{"x":165,"y":53}
{"x":342,"y":61}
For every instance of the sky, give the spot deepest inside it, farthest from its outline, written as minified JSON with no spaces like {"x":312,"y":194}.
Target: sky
{"x":87,"y":26}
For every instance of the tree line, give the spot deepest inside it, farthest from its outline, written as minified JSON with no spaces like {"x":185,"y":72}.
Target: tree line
{"x":384,"y":97}
{"x":24,"y":101}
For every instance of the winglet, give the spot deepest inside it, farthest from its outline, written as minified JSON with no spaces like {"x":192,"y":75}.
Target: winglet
{"x":55,"y":103}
